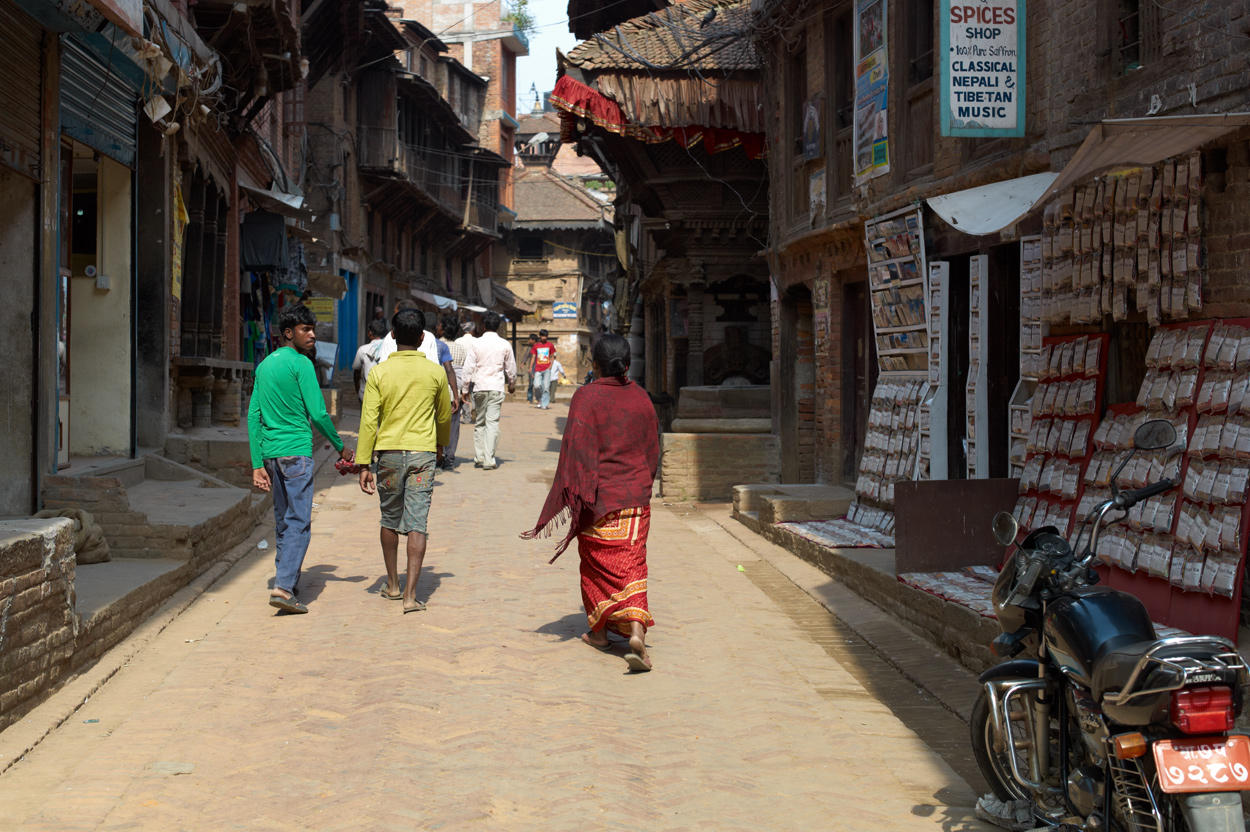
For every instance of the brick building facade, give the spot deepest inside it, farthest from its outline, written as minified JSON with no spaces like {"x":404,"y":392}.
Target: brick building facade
{"x":1083,"y":67}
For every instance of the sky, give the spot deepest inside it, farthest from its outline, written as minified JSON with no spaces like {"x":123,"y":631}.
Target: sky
{"x":539,"y":67}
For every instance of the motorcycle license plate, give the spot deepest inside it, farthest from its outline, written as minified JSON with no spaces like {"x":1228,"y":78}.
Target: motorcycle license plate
{"x":1213,"y":764}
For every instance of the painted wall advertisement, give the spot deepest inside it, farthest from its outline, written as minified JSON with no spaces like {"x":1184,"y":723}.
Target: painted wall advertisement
{"x":872,"y":77}
{"x":982,"y":67}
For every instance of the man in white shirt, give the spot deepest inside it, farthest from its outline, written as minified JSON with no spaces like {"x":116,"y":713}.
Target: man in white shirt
{"x":429,"y":344}
{"x":556,"y":373}
{"x":467,"y":341}
{"x":489,"y":367}
{"x":365,"y":359}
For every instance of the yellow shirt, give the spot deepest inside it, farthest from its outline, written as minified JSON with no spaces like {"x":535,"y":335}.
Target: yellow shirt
{"x":407,"y":406}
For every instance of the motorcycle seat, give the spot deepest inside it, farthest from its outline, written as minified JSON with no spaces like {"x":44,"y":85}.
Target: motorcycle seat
{"x":1113,"y":669}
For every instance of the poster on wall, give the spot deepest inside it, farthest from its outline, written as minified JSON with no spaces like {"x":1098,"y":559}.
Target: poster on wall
{"x":175,"y":249}
{"x":872,"y":155}
{"x":812,"y":110}
{"x":816,"y":195}
{"x":323,"y":308}
{"x":982,"y":68}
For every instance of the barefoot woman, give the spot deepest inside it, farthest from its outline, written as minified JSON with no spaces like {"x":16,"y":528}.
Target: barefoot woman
{"x":608,"y":460}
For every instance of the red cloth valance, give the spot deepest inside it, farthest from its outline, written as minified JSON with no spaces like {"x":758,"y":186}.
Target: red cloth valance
{"x":575,"y":100}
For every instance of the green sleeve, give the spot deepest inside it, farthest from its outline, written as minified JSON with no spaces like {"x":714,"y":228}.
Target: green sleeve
{"x":442,"y":415}
{"x":306,"y":378}
{"x":253,"y":429}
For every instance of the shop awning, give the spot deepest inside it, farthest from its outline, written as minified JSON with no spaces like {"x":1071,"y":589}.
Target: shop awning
{"x":437,"y":300}
{"x":328,"y":284}
{"x":505,"y":298}
{"x":1115,"y":143}
{"x":288,"y":205}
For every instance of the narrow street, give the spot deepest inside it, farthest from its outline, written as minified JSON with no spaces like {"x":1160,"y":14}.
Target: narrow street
{"x":485,"y":712}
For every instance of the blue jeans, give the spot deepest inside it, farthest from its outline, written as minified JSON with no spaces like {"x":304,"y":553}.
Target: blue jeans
{"x":529,"y":391}
{"x":292,"y":483}
{"x":542,"y":386}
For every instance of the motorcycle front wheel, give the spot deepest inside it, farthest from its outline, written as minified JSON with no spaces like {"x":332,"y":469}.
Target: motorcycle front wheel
{"x":994,"y":764}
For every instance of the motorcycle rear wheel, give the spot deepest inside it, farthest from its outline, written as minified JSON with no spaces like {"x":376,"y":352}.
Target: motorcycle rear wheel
{"x":994,"y":765}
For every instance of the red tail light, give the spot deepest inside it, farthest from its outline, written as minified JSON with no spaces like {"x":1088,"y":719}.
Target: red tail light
{"x":1206,"y":710}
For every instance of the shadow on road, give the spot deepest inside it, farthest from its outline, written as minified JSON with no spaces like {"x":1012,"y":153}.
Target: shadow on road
{"x":427,"y":585}
{"x":568,"y":628}
{"x":313,"y":580}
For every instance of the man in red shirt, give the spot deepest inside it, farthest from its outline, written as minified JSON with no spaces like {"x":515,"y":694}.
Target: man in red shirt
{"x":542,"y":355}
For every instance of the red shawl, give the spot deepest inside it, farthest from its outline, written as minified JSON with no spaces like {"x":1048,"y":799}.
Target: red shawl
{"x":608,"y":458}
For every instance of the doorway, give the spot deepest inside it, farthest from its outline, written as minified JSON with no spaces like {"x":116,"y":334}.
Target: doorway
{"x":797,"y":393}
{"x":349,"y":320}
{"x":859,"y":374}
{"x":96,"y":269}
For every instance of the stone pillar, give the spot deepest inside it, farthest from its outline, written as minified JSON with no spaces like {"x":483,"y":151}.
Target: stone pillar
{"x":694,"y":359}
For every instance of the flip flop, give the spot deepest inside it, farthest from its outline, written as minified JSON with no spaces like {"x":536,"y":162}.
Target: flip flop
{"x":602,"y":648}
{"x":637,"y":663}
{"x":399,"y":593}
{"x":415,"y":606}
{"x":291,"y":605}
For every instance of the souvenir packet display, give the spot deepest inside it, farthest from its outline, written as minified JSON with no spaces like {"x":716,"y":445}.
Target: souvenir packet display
{"x":1193,"y":536}
{"x":1032,"y":328}
{"x":897,"y":287}
{"x":1059,"y":433}
{"x":1131,"y":241}
{"x":969,"y":590}
{"x":892,"y":445}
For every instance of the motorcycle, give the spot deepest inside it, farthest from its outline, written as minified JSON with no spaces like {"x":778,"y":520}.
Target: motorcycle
{"x":1091,"y":721}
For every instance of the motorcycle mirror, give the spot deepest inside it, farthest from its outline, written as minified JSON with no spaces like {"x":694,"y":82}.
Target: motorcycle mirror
{"x":1154,"y":435}
{"x":1005,"y":528}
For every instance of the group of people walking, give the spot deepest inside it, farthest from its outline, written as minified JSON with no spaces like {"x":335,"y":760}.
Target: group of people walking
{"x":415,"y":386}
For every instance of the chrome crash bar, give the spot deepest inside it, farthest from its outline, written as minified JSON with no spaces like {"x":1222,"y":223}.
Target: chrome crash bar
{"x":1183,"y":666}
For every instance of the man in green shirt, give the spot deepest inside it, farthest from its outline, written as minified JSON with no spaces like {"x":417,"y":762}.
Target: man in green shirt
{"x":285,"y":398}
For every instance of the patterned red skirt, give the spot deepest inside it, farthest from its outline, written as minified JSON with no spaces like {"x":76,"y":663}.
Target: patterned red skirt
{"x":614,"y":570}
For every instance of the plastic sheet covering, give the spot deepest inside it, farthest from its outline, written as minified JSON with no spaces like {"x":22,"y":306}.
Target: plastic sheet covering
{"x":1115,"y":143}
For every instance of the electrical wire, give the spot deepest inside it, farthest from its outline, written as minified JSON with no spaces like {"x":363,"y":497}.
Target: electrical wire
{"x":1201,"y":23}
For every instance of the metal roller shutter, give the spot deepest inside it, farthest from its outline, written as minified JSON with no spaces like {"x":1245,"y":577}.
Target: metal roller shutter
{"x":98,"y":107}
{"x":21,"y":51}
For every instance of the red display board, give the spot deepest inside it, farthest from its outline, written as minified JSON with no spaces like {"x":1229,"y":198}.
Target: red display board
{"x":1198,"y":377}
{"x":1064,"y":413}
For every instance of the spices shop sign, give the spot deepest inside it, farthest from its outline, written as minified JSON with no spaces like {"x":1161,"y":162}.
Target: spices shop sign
{"x":982,"y":67}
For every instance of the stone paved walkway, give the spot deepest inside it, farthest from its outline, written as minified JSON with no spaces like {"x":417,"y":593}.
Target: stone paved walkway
{"x":484,"y":712}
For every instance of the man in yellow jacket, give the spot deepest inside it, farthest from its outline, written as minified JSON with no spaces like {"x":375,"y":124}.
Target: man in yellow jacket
{"x":406,"y":417}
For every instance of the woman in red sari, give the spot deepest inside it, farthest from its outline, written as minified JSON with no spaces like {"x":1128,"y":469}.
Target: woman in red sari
{"x":608,"y":460}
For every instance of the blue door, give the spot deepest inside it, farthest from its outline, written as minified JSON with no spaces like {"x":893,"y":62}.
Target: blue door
{"x":349,"y":321}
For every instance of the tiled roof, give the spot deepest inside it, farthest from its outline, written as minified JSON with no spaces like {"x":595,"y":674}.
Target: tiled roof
{"x":535,"y":123}
{"x":545,"y":199}
{"x":672,"y":38}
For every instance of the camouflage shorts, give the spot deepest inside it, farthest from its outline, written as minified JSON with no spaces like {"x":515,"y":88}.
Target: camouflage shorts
{"x":405,"y":488}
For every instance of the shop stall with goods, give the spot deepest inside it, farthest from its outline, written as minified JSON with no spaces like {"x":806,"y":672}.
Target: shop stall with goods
{"x":1127,"y":248}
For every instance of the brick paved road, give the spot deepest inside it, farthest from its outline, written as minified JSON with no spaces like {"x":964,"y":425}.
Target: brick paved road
{"x":484,"y":712}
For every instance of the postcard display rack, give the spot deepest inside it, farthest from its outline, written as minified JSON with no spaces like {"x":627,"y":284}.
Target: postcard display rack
{"x":1032,"y":330}
{"x":977,"y":450}
{"x":1063,"y":412}
{"x":1183,"y":552}
{"x":933,"y":455}
{"x":899,"y":294}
